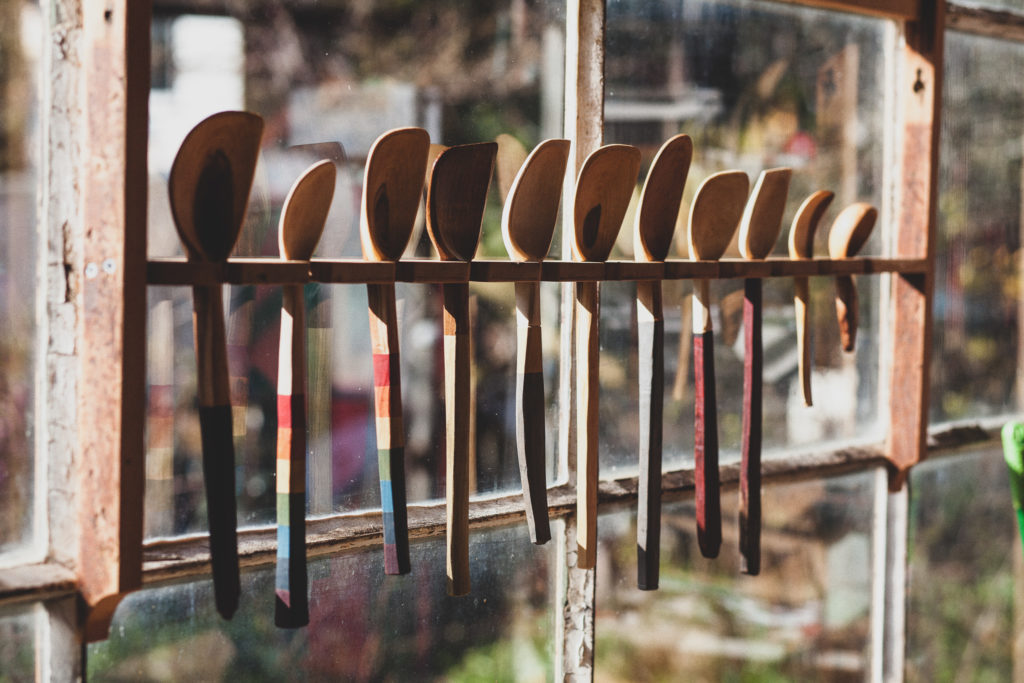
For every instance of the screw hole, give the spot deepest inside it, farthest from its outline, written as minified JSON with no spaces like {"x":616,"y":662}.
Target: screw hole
{"x":108,"y":15}
{"x":918,"y":83}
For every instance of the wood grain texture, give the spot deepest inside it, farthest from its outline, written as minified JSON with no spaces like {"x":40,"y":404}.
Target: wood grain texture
{"x":603,"y":190}
{"x":848,"y":234}
{"x":651,"y":371}
{"x":392,"y":189}
{"x":762,"y":216}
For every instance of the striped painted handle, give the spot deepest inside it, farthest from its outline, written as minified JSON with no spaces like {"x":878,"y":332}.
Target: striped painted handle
{"x":530,"y":411}
{"x":456,"y":409}
{"x":801,"y":307}
{"x":651,"y":362}
{"x":218,"y":445}
{"x":587,"y":397}
{"x":705,"y":450}
{"x":750,"y":463}
{"x":291,"y":583}
{"x":387,"y":394}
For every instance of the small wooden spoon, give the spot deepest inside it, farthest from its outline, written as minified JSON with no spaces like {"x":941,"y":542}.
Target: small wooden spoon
{"x":714,"y":215}
{"x":603,"y":190}
{"x":759,"y":230}
{"x":848,"y":234}
{"x":456,"y":197}
{"x":801,"y":246}
{"x":209,"y":189}
{"x":528,"y":223}
{"x":392,"y":188}
{"x":652,"y":239}
{"x":302,"y":222}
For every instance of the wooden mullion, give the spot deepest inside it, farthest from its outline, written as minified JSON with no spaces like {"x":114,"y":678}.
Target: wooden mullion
{"x":920,"y":89}
{"x":112,"y":307}
{"x":889,"y":9}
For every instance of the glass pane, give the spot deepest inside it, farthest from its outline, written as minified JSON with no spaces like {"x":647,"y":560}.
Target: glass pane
{"x":18,"y":645}
{"x":977,"y":265}
{"x":805,"y":617}
{"x":964,"y":563}
{"x":363,"y":625}
{"x":20,"y":45}
{"x":756,"y":85}
{"x":339,"y":73}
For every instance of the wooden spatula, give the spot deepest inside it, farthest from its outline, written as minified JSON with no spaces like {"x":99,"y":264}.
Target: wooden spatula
{"x":652,"y":239}
{"x":392,"y":189}
{"x":759,"y":230}
{"x":528,"y":223}
{"x":603,"y":190}
{"x":714,"y":215}
{"x":302,"y":222}
{"x":456,"y":197}
{"x":209,"y":189}
{"x":848,"y":234}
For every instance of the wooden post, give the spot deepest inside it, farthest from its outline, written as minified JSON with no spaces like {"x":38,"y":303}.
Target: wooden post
{"x":921,"y":93}
{"x":112,"y":307}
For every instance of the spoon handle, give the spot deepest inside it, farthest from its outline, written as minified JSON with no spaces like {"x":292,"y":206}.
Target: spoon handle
{"x":750,"y":462}
{"x":291,"y":604}
{"x":846,"y":311}
{"x":387,"y":389}
{"x":587,"y":398}
{"x":651,"y":356}
{"x":457,"y":407}
{"x":705,"y":451}
{"x":218,"y":445}
{"x":801,"y":306}
{"x":530,"y":410}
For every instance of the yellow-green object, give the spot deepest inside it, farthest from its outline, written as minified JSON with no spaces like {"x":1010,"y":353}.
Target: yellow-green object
{"x":1013,"y":452}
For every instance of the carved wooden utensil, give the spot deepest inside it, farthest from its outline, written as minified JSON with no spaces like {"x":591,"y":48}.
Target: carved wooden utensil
{"x":801,"y":246}
{"x":652,"y":239}
{"x":714,"y":215}
{"x":759,"y":230}
{"x":302,"y":222}
{"x":603,"y":190}
{"x":209,"y":190}
{"x":392,"y":189}
{"x":528,"y":223}
{"x":848,"y":234}
{"x":456,"y":196}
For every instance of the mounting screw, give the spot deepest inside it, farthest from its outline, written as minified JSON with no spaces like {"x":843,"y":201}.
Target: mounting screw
{"x":109,"y":266}
{"x":91,"y":270}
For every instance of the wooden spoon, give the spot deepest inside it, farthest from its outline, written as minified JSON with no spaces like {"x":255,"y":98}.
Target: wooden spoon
{"x":848,"y":234}
{"x":603,"y":190}
{"x":456,"y":197}
{"x":714,"y":215}
{"x":759,"y":230}
{"x":302,"y":222}
{"x":209,"y":189}
{"x":392,"y":189}
{"x":527,"y":224}
{"x":652,"y":239}
{"x":801,"y":246}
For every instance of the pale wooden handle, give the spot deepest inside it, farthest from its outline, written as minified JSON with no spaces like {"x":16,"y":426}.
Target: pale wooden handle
{"x":457,"y":408}
{"x":801,"y":306}
{"x":846,"y":311}
{"x":750,"y":457}
{"x":705,"y":431}
{"x":387,"y":390}
{"x":651,"y":367}
{"x":530,"y":411}
{"x":587,"y":393}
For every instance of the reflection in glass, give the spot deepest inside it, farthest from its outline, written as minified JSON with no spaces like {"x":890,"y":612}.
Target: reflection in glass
{"x":807,"y":98}
{"x":977,"y":264}
{"x":965,"y":571}
{"x":328,"y":78}
{"x":363,"y":625}
{"x":20,"y":43}
{"x":805,"y":617}
{"x":18,"y":644}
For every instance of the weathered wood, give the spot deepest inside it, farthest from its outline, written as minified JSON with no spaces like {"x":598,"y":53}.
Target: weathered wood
{"x":1005,"y":24}
{"x":889,"y":9}
{"x":111,"y":332}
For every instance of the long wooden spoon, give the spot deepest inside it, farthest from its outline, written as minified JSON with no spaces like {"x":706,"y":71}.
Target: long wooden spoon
{"x":714,"y":215}
{"x":209,"y":190}
{"x":603,"y":190}
{"x":456,"y":197}
{"x":527,"y":225}
{"x":848,"y":234}
{"x":759,"y":230}
{"x":392,"y":189}
{"x":656,"y":221}
{"x":302,"y":222}
{"x":801,"y":246}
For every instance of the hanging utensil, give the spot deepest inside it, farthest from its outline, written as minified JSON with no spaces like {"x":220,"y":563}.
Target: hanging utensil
{"x":847,"y":235}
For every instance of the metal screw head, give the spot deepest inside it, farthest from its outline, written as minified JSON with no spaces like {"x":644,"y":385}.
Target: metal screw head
{"x":91,"y":270}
